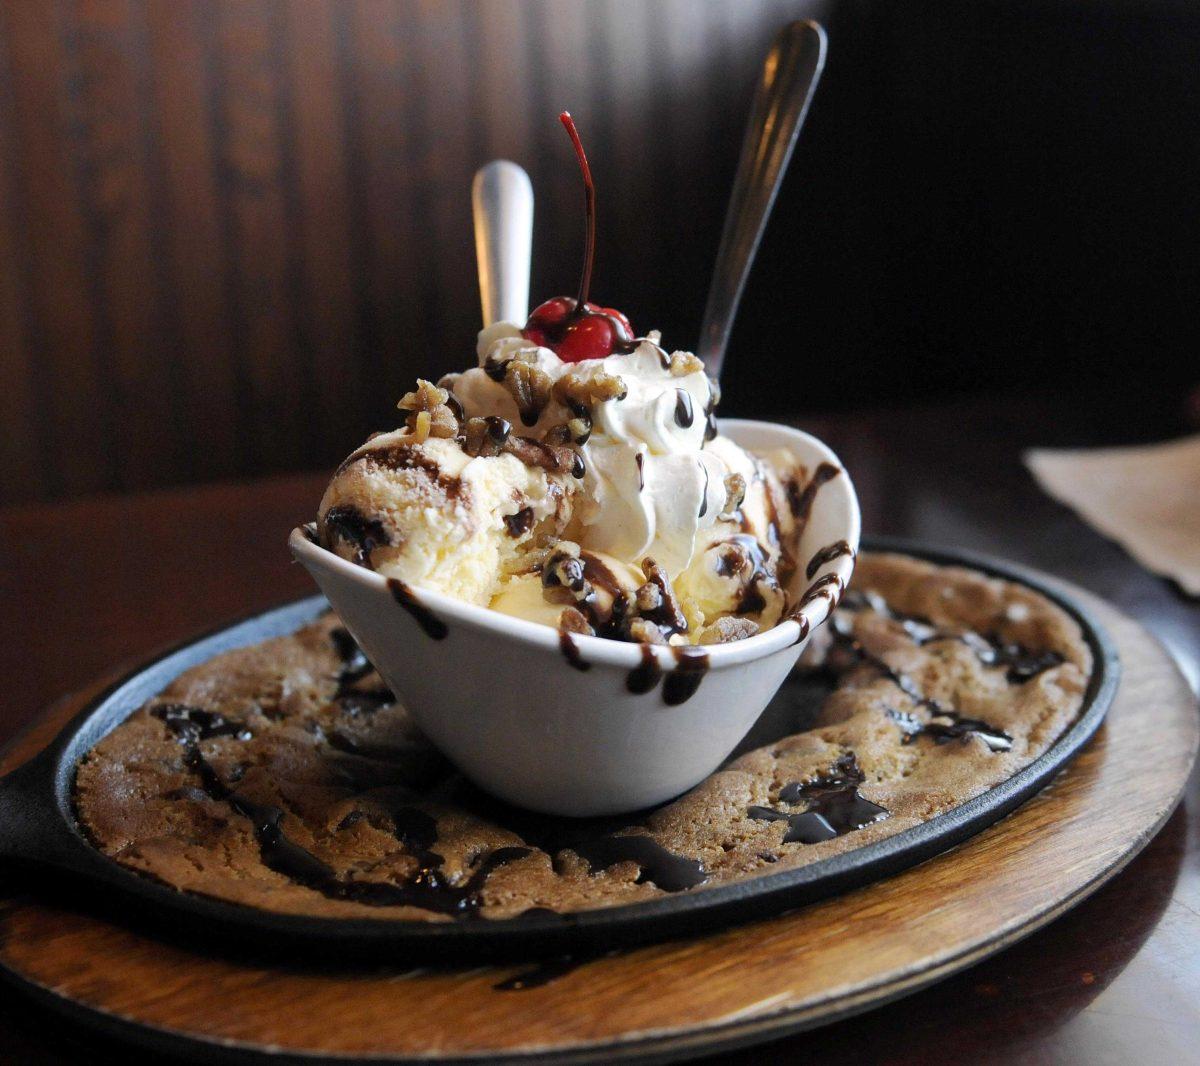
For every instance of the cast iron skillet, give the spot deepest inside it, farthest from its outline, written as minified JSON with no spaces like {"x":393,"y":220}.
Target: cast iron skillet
{"x":38,"y":828}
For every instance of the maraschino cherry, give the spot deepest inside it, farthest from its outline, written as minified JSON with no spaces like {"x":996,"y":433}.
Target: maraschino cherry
{"x":573,"y":328}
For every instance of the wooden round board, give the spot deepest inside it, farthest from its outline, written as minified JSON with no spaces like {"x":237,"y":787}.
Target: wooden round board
{"x":671,"y":1000}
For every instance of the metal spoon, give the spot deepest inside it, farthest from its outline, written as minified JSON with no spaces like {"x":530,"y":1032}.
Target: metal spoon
{"x":502,"y":206}
{"x":789,"y":78}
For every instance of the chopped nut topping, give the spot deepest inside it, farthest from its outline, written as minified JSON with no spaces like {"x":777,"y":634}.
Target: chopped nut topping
{"x":426,"y":397}
{"x":443,"y":422}
{"x":573,"y":621}
{"x":727,"y":630}
{"x":649,"y":598}
{"x":684,"y":363}
{"x":580,"y":391}
{"x":668,"y":613}
{"x":529,"y":387}
{"x":645,"y":632}
{"x":735,"y":493}
{"x":485,"y":436}
{"x":553,"y":458}
{"x":420,"y":426}
{"x":429,"y":413}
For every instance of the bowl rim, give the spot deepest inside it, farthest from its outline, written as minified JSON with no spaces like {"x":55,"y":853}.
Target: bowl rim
{"x":623,"y":654}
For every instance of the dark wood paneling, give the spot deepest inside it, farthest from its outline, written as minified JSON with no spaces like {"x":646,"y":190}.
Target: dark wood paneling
{"x":236,"y":230}
{"x":232,"y":231}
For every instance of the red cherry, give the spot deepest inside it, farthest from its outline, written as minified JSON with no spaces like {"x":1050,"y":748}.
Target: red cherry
{"x":620,"y":318}
{"x":548,"y":320}
{"x":589,"y":337}
{"x":576,"y":329}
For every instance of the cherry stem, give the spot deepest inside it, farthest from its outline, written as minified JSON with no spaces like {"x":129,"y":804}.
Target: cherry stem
{"x":589,"y":200}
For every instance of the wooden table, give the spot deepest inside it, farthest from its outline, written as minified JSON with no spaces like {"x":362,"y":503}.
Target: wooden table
{"x":87,"y":585}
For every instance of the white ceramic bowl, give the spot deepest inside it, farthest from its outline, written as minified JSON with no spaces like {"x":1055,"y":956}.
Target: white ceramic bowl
{"x":500,"y":698}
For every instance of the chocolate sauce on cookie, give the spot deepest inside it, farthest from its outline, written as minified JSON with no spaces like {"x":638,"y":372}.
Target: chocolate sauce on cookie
{"x":955,"y":726}
{"x":429,"y":889}
{"x":193,"y":724}
{"x":1020,"y":662}
{"x":946,"y":725}
{"x":432,"y":625}
{"x":834,"y":805}
{"x":670,"y":872}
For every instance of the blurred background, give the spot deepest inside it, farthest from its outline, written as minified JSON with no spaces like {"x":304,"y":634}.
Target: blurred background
{"x":232,"y":233}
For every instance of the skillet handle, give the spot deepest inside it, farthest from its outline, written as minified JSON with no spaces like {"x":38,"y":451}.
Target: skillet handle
{"x":32,"y":829}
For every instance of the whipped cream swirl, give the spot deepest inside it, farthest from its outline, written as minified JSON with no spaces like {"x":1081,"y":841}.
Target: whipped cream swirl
{"x":650,"y":487}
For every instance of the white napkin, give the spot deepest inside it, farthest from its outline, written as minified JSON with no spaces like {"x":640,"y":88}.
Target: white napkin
{"x":1146,"y":498}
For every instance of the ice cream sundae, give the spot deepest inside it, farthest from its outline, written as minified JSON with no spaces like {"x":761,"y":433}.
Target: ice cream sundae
{"x":575,"y":477}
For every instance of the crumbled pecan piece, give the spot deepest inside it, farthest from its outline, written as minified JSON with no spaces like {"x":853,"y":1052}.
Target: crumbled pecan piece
{"x":735,"y":493}
{"x":426,"y":397}
{"x":529,"y":387}
{"x":684,"y":363}
{"x":553,"y":458}
{"x":649,"y":598}
{"x":727,"y":630}
{"x":573,"y":620}
{"x":485,"y":436}
{"x":667,"y":613}
{"x":644,"y":631}
{"x":580,"y":391}
{"x":428,"y":412}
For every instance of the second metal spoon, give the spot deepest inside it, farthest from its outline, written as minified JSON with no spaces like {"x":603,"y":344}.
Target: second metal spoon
{"x":789,"y":78}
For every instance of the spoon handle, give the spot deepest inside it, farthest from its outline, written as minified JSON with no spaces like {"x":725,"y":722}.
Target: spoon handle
{"x":789,"y":78}
{"x":502,"y":206}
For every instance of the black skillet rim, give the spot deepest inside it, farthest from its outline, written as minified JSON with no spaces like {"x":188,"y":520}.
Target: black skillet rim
{"x":683,"y":914}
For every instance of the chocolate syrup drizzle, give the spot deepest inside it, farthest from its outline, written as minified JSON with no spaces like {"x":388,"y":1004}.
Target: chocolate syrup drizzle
{"x":827,"y":555}
{"x":670,"y":872}
{"x":520,"y":523}
{"x":801,"y":499}
{"x":834,"y":805}
{"x":684,"y":415}
{"x":991,"y":649}
{"x":429,"y":889}
{"x":194,"y":724}
{"x":433,"y":626}
{"x":593,"y":840}
{"x":682,"y":682}
{"x":645,"y":678}
{"x":955,"y":725}
{"x":570,"y":650}
{"x":362,"y":533}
